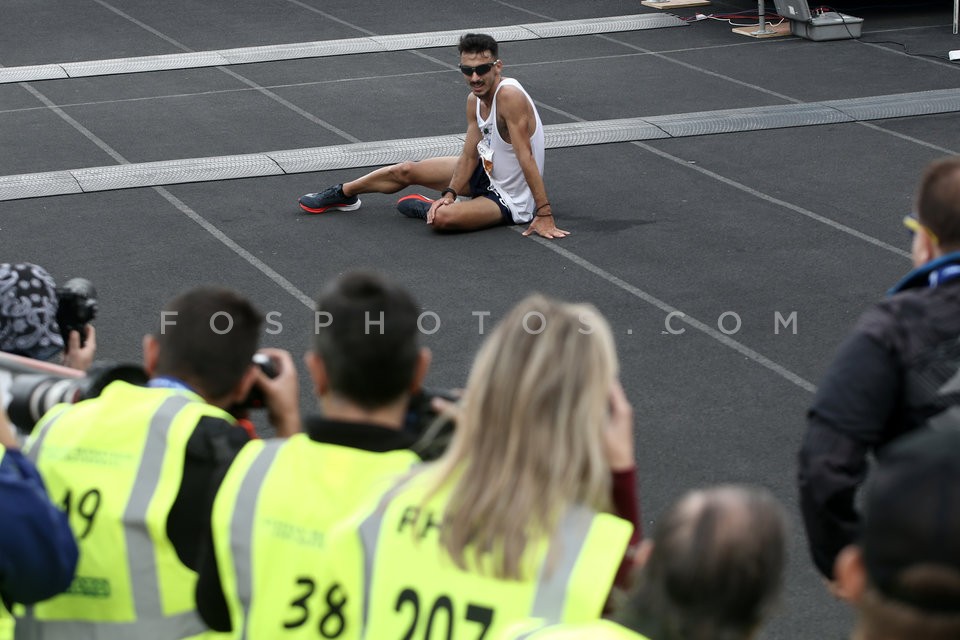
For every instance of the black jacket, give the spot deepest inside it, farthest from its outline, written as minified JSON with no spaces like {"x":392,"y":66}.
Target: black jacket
{"x":888,"y":378}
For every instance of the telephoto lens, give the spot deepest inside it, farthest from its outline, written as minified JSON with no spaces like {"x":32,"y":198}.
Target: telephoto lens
{"x":32,"y":395}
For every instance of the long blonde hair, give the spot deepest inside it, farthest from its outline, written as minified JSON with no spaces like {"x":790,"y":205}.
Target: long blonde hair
{"x":527,"y":442}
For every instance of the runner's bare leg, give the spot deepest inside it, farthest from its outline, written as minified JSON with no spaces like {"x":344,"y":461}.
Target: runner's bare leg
{"x":432,"y":173}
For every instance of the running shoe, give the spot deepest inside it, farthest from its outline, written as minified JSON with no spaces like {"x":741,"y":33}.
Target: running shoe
{"x":330,"y":199}
{"x":414,"y":206}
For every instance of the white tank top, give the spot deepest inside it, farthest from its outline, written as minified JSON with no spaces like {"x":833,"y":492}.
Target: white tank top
{"x":500,"y":160}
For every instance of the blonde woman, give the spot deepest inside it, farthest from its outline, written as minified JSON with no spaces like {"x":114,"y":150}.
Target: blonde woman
{"x":513,"y":521}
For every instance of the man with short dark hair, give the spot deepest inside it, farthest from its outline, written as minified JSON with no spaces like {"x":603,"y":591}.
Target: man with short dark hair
{"x":279,"y":498}
{"x":897,"y":370}
{"x":362,"y":360}
{"x":712,"y":571}
{"x":500,"y":167}
{"x":133,"y":468}
{"x":903,"y":574}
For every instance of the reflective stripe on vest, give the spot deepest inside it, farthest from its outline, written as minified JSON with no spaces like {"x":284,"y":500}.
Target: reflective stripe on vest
{"x":42,"y":429}
{"x":586,"y":547}
{"x":142,"y":571}
{"x":551,"y":598}
{"x":369,"y":531}
{"x":241,"y":526}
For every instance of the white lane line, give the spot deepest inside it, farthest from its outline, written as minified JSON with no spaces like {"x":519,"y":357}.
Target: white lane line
{"x":679,"y":315}
{"x":254,"y":261}
{"x":753,"y":192}
{"x":777,"y":201}
{"x":86,"y":133}
{"x":903,"y":136}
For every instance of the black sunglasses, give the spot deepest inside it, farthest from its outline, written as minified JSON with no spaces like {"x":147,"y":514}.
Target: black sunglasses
{"x":480,"y":69}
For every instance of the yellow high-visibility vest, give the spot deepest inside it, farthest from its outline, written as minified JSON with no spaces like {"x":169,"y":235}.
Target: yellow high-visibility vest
{"x":393,"y":578}
{"x":6,"y":623}
{"x":270,"y":520}
{"x":115,"y":464}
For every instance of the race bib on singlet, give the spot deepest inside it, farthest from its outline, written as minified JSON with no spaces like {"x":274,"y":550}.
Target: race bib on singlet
{"x":486,"y":155}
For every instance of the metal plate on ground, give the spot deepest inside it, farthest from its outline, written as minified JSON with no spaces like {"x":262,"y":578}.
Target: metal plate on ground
{"x":366,"y":154}
{"x":35,"y":185}
{"x":152,"y":174}
{"x":297,"y":50}
{"x":433,"y":39}
{"x":579,"y":134}
{"x":899,"y":105}
{"x":378,"y":153}
{"x":674,"y":4}
{"x":144,"y":63}
{"x":28,"y":74}
{"x":750,"y":119}
{"x":609,"y":24}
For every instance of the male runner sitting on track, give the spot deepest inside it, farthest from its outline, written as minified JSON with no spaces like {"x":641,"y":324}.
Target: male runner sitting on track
{"x":500,"y":167}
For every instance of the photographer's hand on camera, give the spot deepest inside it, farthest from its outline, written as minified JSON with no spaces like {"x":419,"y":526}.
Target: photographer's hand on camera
{"x":281,"y":393}
{"x":80,"y":357}
{"x":445,"y":406}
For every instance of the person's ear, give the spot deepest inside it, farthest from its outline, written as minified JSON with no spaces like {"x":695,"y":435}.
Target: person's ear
{"x":422,"y":366}
{"x":928,"y":245}
{"x":151,"y":354}
{"x":318,"y":372}
{"x":849,"y":575}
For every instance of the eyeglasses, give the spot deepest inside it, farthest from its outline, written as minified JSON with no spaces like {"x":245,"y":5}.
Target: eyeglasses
{"x":480,"y":69}
{"x":915,"y":226}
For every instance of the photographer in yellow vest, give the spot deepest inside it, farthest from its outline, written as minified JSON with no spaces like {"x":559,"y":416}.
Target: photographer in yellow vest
{"x":133,"y":469}
{"x":512,"y":522}
{"x":280,"y":498}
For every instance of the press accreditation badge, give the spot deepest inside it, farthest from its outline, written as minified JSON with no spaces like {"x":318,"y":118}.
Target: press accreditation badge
{"x":486,"y":154}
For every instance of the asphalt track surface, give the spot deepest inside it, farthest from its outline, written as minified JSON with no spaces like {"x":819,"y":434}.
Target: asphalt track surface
{"x":730,"y":266}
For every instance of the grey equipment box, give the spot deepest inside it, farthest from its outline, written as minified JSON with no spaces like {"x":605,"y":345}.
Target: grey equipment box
{"x":827,"y":26}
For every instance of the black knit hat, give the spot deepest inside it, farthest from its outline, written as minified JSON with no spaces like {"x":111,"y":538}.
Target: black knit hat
{"x":28,"y":312}
{"x":912,"y":517}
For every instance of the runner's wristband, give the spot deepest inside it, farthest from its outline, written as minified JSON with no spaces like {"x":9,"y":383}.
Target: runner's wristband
{"x":450,"y":191}
{"x":536,"y":212}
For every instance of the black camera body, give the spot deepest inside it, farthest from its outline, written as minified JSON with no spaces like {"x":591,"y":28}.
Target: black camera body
{"x":255,"y":399}
{"x":76,"y":308}
{"x":432,"y":430}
